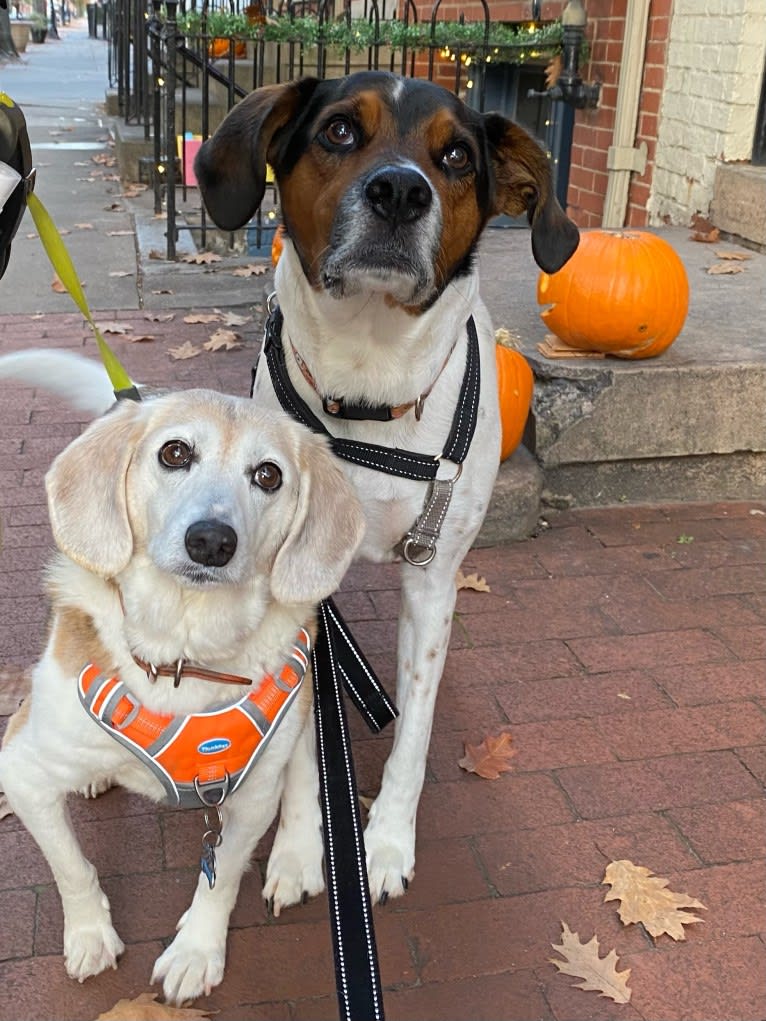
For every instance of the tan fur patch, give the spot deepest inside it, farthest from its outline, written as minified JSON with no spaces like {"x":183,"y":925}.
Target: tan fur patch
{"x":76,"y":642}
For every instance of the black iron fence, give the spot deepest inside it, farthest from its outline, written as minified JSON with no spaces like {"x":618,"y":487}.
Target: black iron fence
{"x":178,"y":71}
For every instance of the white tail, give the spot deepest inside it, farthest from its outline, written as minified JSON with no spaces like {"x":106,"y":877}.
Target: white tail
{"x":81,"y":382}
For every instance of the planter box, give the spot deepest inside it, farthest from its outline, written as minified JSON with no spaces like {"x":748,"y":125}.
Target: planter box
{"x":39,"y":35}
{"x":20,"y":34}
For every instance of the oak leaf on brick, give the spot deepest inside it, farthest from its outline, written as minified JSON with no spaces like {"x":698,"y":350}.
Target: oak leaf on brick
{"x":490,"y":758}
{"x":146,"y":1008}
{"x":645,"y":899}
{"x":471,"y":581}
{"x":599,"y":974}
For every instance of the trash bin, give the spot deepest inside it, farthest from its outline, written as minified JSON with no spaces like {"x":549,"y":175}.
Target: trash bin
{"x":92,"y":10}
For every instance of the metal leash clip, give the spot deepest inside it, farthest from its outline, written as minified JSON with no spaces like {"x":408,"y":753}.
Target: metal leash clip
{"x":419,"y":544}
{"x":212,"y":796}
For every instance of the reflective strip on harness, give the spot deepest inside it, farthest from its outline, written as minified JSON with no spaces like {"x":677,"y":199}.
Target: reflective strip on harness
{"x":202,"y":748}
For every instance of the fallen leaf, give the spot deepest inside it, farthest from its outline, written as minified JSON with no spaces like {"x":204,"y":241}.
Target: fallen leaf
{"x":120,"y":233}
{"x":145,"y":338}
{"x":719,"y":268}
{"x":201,"y":258}
{"x":84,"y":226}
{"x":599,"y":974}
{"x":32,"y":236}
{"x":645,"y":899}
{"x":155,"y":253}
{"x":163,"y":290}
{"x":187,"y":350}
{"x":249,"y":271}
{"x":160,"y":317}
{"x":146,"y":1008}
{"x":121,"y":273}
{"x":735,"y":256}
{"x":115,"y":207}
{"x":63,"y":232}
{"x":490,"y":758}
{"x":134,"y":190}
{"x":471,"y":581}
{"x":223,"y":340}
{"x":57,"y":286}
{"x":105,"y":159}
{"x":116,"y":328}
{"x":15,"y":684}
{"x":203,"y":317}
{"x":232,"y":319}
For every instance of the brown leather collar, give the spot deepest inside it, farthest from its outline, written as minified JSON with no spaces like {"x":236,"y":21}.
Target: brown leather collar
{"x":181,"y":669}
{"x":340,"y":408}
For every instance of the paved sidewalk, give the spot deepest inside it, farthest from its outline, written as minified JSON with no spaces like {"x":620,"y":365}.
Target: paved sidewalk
{"x":622,"y":648}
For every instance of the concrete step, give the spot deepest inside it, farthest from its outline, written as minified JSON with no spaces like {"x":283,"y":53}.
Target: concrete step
{"x":687,"y":425}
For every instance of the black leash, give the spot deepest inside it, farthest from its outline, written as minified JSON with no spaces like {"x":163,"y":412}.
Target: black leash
{"x":335,"y":658}
{"x":406,"y":463}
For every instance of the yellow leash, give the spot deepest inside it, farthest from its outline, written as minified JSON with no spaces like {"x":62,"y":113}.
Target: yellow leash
{"x":62,"y":263}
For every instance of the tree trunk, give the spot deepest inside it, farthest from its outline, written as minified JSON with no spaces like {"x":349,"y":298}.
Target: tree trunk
{"x":7,"y":48}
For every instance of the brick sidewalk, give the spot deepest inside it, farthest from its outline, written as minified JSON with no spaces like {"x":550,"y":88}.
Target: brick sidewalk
{"x":622,"y":648}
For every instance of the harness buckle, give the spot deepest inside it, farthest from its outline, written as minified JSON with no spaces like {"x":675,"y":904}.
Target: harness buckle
{"x":212,"y":793}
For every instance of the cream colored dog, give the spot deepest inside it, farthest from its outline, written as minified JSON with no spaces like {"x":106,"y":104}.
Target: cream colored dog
{"x":195,"y":530}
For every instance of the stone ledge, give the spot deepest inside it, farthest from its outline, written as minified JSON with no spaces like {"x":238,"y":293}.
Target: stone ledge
{"x":739,"y":202}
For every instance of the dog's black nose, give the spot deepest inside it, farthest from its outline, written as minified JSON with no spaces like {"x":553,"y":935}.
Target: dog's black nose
{"x":398,"y":194}
{"x":211,"y":543}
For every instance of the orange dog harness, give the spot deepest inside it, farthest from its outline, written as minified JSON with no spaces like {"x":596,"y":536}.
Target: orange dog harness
{"x":195,"y":754}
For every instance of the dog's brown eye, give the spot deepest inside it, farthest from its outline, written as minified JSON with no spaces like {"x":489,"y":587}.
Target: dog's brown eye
{"x":456,"y":157}
{"x":267,"y":476}
{"x":340,"y":133}
{"x":176,"y":454}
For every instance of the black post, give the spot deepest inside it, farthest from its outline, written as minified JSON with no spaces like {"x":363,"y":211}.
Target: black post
{"x":171,"y":7}
{"x":154,"y":29}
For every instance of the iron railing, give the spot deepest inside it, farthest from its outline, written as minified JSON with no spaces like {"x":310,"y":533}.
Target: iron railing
{"x":178,"y":71}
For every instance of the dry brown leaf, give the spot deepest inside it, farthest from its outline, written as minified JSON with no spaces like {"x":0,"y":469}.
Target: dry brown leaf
{"x":120,"y":233}
{"x":146,"y":1008}
{"x":57,"y":286}
{"x":187,"y":350}
{"x":121,"y":273}
{"x":733,"y":256}
{"x":145,"y":338}
{"x":114,"y":207}
{"x":471,"y":581}
{"x":84,"y":226}
{"x":203,"y":317}
{"x":116,"y":328}
{"x":162,"y":290}
{"x":223,"y":340}
{"x":160,"y":317}
{"x":201,"y":258}
{"x":232,"y":319}
{"x":719,"y":268}
{"x":155,"y":253}
{"x":251,"y":270}
{"x":134,"y":190}
{"x":644,"y":898}
{"x":15,"y":684}
{"x":707,"y":237}
{"x":490,"y":758}
{"x":599,"y":974}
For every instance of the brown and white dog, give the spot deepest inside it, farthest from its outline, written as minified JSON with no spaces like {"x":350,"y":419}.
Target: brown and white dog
{"x":385,"y":186}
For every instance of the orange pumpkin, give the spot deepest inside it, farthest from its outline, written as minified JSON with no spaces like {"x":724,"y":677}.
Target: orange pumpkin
{"x":625,"y":294}
{"x":515,"y":384}
{"x":219,"y":47}
{"x":277,"y":244}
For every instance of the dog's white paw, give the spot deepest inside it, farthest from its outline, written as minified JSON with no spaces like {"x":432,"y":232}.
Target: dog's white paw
{"x":92,"y":790}
{"x":189,"y":968}
{"x":293,"y":876}
{"x":91,"y":948}
{"x":390,"y":861}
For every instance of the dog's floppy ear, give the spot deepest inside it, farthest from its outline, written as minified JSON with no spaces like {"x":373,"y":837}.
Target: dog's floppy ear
{"x":327,"y":527}
{"x":523,"y":184}
{"x":87,"y":499}
{"x":231,"y":165}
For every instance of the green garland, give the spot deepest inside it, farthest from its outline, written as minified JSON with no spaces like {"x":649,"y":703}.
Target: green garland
{"x":360,"y":34}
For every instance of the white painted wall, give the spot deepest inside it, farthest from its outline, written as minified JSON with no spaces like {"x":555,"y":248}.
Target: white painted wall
{"x":709,"y":103}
